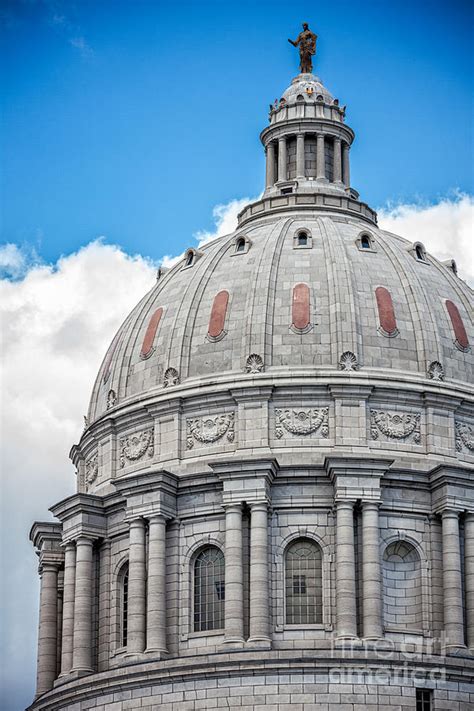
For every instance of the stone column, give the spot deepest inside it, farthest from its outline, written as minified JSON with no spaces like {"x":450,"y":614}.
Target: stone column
{"x":136,"y":636}
{"x":320,"y":158}
{"x":337,"y":165}
{"x":68,"y":607}
{"x":156,"y":599}
{"x":82,"y":643}
{"x":259,"y":582}
{"x":452,"y":581}
{"x":300,"y":168}
{"x":346,"y":170}
{"x":270,"y":173}
{"x":48,"y":629}
{"x":469,"y":573}
{"x":345,"y":571}
{"x":234,"y":583}
{"x":281,"y":159}
{"x":371,"y":572}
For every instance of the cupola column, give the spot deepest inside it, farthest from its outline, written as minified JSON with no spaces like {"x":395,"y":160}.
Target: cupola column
{"x":82,"y":643}
{"x":234,"y":578}
{"x":320,"y":158}
{"x":452,"y":580}
{"x":136,"y":588}
{"x":259,"y":593}
{"x":469,"y":573}
{"x":345,"y":571}
{"x":346,"y":175}
{"x":337,"y":165}
{"x":156,"y":599}
{"x":371,"y":573}
{"x":270,"y":174}
{"x":68,"y":607}
{"x":282,"y":158}
{"x":300,"y":169}
{"x":48,"y":631}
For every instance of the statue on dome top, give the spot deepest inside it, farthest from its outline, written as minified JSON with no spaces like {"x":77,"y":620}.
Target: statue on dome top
{"x":306,"y":41}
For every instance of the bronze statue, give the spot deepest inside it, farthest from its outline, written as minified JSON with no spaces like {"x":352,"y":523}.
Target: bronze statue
{"x":306,"y":41}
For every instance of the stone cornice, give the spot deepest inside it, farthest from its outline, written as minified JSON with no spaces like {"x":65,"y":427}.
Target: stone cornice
{"x":452,"y":488}
{"x":149,"y":494}
{"x":357,"y":478}
{"x":81,"y":515}
{"x":246,"y":480}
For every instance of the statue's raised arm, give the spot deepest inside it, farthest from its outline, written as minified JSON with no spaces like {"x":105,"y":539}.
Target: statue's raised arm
{"x":306,"y":41}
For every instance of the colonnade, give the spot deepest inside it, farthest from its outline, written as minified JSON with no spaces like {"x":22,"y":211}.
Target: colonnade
{"x":277,"y":159}
{"x":147,"y":587}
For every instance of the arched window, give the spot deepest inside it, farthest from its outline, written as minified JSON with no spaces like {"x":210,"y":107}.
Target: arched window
{"x":365,"y":242}
{"x":189,"y":258}
{"x":302,"y":239}
{"x":240,"y":245}
{"x":303,"y":583}
{"x":123,"y":605}
{"x":402,"y":600}
{"x":209,"y":590}
{"x":420,"y":253}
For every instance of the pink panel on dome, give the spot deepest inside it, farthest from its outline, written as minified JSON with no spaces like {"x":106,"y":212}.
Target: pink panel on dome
{"x":387,"y":319}
{"x":147,"y":345}
{"x":218,"y":314}
{"x":458,"y":325}
{"x":300,"y":307}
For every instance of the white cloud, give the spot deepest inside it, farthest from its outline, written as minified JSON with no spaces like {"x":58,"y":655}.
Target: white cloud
{"x":446,"y":228}
{"x":56,"y":325}
{"x":225,"y":219}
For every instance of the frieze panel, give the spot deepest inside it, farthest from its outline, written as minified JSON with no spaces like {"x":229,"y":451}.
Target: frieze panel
{"x":464,"y":437}
{"x":400,"y":426}
{"x":301,"y":422}
{"x":208,"y":430}
{"x":135,"y":446}
{"x":91,"y":470}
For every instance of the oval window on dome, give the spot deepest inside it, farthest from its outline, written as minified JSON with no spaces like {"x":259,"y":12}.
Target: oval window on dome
{"x":387,"y":320}
{"x":218,"y":314}
{"x":461,"y":339}
{"x":300,"y":310}
{"x":150,"y":333}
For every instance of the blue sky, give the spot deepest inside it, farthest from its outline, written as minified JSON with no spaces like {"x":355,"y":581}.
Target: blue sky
{"x":133,"y":119}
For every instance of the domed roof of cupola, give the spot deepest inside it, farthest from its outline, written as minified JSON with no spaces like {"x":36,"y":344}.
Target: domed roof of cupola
{"x":307,"y":87}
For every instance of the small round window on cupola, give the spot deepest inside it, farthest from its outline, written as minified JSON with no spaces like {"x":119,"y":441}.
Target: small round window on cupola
{"x":190,"y":258}
{"x":241,"y":245}
{"x":365,"y":242}
{"x":302,"y":239}
{"x":418,"y":251}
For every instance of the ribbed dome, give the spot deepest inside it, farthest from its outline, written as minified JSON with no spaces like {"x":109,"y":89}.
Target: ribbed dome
{"x":308,"y":87}
{"x":296,"y":308}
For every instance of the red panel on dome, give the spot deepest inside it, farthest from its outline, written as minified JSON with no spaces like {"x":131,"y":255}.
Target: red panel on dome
{"x":458,"y":325}
{"x":218,"y":314}
{"x":150,"y":334}
{"x":387,"y":319}
{"x":300,"y":307}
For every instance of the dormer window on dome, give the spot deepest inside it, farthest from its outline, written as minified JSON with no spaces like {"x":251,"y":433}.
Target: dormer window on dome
{"x":191,"y":257}
{"x":302,"y":240}
{"x":419,"y":251}
{"x":241,"y":245}
{"x":365,"y":242}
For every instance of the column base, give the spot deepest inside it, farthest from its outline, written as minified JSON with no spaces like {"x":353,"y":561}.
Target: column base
{"x":455,"y":650}
{"x":77,"y":672}
{"x":322,"y":181}
{"x":234,"y":642}
{"x":257,"y":642}
{"x":157,"y":652}
{"x":134,"y":656}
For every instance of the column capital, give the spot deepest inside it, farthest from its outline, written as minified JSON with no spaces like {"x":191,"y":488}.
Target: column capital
{"x":84,"y":541}
{"x":259,"y":506}
{"x":449,"y":513}
{"x":368,"y":504}
{"x":233,"y":507}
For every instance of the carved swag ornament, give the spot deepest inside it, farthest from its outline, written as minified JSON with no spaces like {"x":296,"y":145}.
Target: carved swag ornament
{"x":135,"y":446}
{"x":208,"y":430}
{"x":395,"y":425}
{"x":301,"y":422}
{"x":464,"y":436}
{"x":92,"y":470}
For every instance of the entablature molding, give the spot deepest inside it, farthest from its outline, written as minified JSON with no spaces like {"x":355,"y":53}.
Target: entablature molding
{"x":248,"y":480}
{"x":81,"y":515}
{"x":46,"y":536}
{"x":310,"y":125}
{"x":149,"y":494}
{"x":452,"y":488}
{"x":357,"y":478}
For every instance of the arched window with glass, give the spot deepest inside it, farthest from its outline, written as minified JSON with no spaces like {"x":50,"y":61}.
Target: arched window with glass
{"x":123,"y":605}
{"x":209,"y":589}
{"x":303,"y":583}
